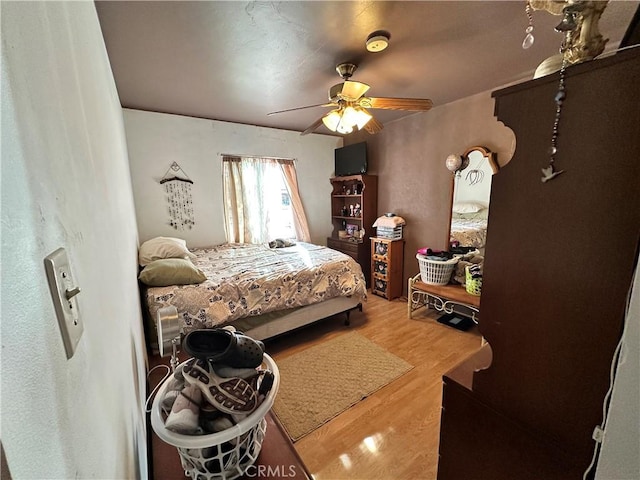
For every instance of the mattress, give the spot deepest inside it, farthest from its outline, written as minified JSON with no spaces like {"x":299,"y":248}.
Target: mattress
{"x":469,"y":230}
{"x":246,"y":280}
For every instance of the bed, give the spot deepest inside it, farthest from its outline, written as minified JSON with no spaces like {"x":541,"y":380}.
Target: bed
{"x":262,"y":291}
{"x":469,"y":229}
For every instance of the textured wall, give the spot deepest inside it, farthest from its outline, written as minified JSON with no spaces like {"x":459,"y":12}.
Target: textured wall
{"x":66,"y":183}
{"x":155,"y":140}
{"x":619,"y":455}
{"x":409,"y":155}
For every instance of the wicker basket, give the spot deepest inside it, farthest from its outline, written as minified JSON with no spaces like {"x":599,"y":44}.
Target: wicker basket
{"x":224,"y":455}
{"x":436,"y":272}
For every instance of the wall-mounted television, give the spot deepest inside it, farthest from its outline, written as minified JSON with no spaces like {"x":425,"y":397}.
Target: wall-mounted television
{"x":351,"y":160}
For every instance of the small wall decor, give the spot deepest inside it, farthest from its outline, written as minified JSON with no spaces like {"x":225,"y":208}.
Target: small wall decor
{"x":177,"y":185}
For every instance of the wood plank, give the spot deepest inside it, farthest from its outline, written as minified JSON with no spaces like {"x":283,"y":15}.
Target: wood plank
{"x":453,"y":292}
{"x":394,"y":433}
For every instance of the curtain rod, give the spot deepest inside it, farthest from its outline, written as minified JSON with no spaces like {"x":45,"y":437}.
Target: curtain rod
{"x":254,"y":156}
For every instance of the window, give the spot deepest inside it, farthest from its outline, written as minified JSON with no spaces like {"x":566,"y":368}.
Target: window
{"x":261,"y":200}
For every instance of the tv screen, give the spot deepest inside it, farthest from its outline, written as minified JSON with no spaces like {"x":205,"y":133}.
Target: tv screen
{"x":351,"y":160}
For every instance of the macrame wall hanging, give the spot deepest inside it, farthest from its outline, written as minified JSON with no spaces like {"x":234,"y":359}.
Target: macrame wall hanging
{"x":177,"y":186}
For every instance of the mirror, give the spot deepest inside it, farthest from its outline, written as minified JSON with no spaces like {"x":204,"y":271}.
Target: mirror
{"x":470,"y":198}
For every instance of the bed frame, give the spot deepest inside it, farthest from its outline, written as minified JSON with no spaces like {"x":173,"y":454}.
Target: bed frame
{"x":300,"y":317}
{"x":262,"y":327}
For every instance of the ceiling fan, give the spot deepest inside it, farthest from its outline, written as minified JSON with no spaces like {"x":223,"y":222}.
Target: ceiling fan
{"x":351,"y":105}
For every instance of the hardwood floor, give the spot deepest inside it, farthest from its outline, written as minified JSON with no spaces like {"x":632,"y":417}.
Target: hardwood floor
{"x":394,"y":433}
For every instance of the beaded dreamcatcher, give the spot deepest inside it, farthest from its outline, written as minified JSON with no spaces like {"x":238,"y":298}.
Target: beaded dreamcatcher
{"x":177,"y":186}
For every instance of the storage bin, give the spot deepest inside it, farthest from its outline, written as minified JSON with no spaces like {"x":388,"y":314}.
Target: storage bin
{"x":436,"y":272}
{"x":389,"y":233}
{"x":224,"y":455}
{"x":472,"y":285}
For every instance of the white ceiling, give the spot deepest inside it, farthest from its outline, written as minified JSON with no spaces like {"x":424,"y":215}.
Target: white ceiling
{"x":237,"y":61}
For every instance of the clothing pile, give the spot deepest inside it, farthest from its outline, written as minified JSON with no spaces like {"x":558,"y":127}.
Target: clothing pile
{"x":220,"y":385}
{"x":474,"y":261}
{"x":437,"y":255}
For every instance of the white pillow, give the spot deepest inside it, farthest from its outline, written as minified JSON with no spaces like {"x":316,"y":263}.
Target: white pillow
{"x":467,"y":207}
{"x":163,"y":247}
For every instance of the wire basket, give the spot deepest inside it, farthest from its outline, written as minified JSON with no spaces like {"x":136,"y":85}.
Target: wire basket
{"x":436,"y":272}
{"x":223,"y":455}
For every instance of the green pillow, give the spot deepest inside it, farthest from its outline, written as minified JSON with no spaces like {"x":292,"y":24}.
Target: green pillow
{"x":171,"y":271}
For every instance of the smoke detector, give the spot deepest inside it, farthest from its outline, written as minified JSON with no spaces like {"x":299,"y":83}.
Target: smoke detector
{"x":378,"y":41}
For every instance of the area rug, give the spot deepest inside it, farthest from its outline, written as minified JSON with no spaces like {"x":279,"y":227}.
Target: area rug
{"x":325,"y":380}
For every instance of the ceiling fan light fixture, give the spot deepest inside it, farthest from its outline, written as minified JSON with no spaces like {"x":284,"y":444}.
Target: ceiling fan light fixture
{"x":344,"y":127}
{"x":377,"y":41}
{"x":349,"y":115}
{"x":362,"y":118}
{"x":331,"y":120}
{"x":344,"y":120}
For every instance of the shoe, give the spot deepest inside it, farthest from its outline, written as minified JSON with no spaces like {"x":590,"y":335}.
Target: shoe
{"x":185,"y":412}
{"x":209,"y":416}
{"x":266,"y":383}
{"x":174,"y":387}
{"x":233,"y":349}
{"x":229,"y":395}
{"x":222,"y":423}
{"x":225,"y":371}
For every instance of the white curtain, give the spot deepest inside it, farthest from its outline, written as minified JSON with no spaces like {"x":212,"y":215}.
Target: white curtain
{"x":253,"y":199}
{"x":299,"y":217}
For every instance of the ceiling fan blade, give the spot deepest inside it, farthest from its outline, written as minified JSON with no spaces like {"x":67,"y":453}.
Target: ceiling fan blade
{"x":313,"y":126}
{"x":413,"y":104}
{"x":302,"y":108}
{"x":353,"y":90}
{"x":373,"y":126}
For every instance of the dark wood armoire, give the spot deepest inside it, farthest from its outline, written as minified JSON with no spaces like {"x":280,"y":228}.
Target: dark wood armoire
{"x":559,"y":262}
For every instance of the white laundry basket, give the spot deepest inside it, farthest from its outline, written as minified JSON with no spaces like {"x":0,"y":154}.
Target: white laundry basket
{"x":436,"y":272}
{"x":224,"y":455}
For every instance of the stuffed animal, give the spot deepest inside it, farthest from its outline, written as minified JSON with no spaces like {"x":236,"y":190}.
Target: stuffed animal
{"x":281,"y":243}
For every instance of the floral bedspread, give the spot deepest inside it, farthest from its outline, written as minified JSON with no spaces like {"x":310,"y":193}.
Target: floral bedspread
{"x":245,"y":280}
{"x":470,"y":232}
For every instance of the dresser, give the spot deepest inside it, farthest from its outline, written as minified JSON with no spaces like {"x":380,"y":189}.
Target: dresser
{"x":558,"y":267}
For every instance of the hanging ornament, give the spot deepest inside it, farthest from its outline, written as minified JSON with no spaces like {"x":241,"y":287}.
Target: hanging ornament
{"x":474,"y":176}
{"x":528,"y":38}
{"x":550,"y":172}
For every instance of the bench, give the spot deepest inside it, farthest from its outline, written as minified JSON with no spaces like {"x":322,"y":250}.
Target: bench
{"x":443,"y":298}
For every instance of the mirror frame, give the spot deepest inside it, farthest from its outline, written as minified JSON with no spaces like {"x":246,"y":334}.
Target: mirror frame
{"x":486,"y":153}
{"x":495,"y":167}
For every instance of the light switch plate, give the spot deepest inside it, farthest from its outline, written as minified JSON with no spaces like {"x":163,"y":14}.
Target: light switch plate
{"x":63,"y":292}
